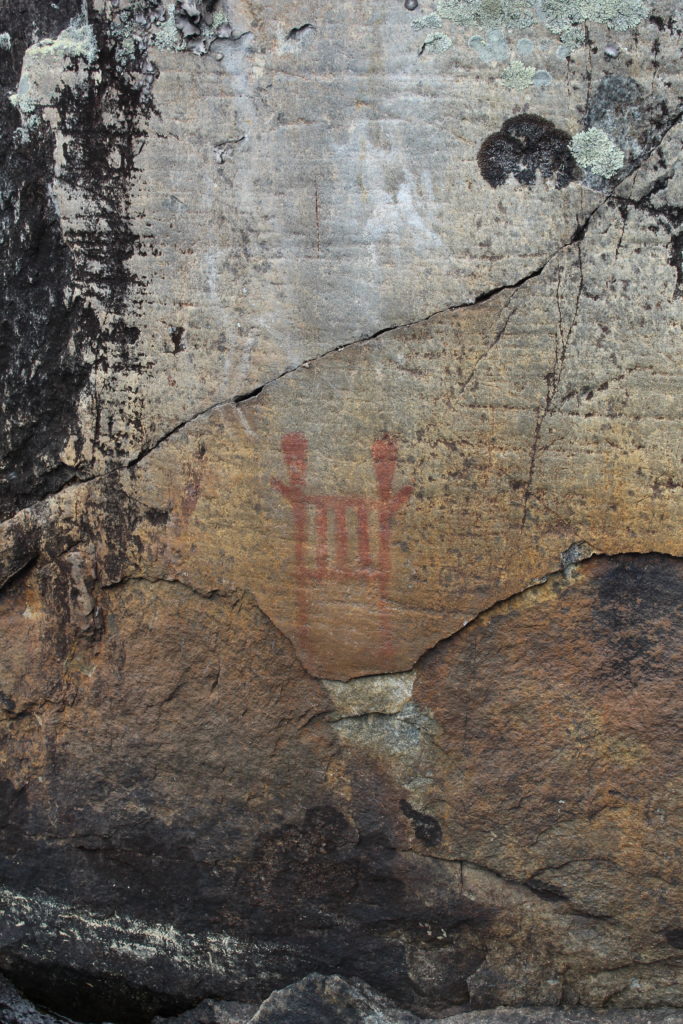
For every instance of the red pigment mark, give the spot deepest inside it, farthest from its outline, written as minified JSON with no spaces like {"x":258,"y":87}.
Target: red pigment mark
{"x":334,"y":558}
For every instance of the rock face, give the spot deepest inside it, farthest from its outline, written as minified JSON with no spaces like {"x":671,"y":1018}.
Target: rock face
{"x":341,"y":448}
{"x":335,"y":1000}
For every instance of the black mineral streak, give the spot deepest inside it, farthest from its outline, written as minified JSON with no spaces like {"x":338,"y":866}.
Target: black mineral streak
{"x":426,"y":828}
{"x":40,"y":380}
{"x":51,"y":340}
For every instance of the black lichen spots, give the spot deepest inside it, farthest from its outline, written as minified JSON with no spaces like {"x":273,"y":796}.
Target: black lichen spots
{"x":676,"y":249}
{"x":525,"y":146}
{"x":667,"y":216}
{"x":104,"y":123}
{"x":40,"y":376}
{"x":426,"y":828}
{"x":51,"y":342}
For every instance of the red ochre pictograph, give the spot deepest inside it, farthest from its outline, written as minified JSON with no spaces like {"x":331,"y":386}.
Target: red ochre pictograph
{"x":338,"y":551}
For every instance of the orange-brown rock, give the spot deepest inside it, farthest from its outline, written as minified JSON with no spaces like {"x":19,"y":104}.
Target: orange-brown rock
{"x":340,"y":563}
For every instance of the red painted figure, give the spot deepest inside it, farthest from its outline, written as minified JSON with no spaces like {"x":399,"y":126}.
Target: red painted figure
{"x":342,"y":563}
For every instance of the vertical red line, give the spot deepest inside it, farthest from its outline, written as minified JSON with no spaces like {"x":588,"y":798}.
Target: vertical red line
{"x":299,"y":510}
{"x":321,"y":526}
{"x":384,"y":550}
{"x":363,"y":533}
{"x":295,"y":453}
{"x":341,"y":536}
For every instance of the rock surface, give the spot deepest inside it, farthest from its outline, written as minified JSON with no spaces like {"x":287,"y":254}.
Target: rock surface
{"x":317,"y":999}
{"x":341,"y":455}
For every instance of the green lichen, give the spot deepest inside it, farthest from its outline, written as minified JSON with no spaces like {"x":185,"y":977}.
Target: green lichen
{"x":564,"y":18}
{"x":563,"y":15}
{"x":77,"y":40}
{"x":525,"y":47}
{"x":166,"y":35}
{"x":429,"y":21}
{"x":594,"y":151}
{"x":219,"y":18}
{"x":436,"y":42}
{"x":518,"y":75}
{"x":488,"y":13}
{"x":493,"y":48}
{"x":5,"y":41}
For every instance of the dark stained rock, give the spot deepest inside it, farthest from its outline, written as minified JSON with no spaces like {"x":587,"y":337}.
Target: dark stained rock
{"x":14,"y":1009}
{"x":341,"y":573}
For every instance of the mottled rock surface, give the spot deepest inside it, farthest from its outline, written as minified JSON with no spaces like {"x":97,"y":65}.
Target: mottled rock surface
{"x":342,"y":493}
{"x":317,"y":999}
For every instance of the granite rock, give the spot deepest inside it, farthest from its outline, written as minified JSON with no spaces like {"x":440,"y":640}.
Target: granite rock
{"x":342,"y":508}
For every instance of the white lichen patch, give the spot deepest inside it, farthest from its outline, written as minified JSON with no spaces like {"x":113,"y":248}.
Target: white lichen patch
{"x":5,"y":41}
{"x":518,"y":75}
{"x":595,"y":151}
{"x":541,"y":79}
{"x":121,"y":943}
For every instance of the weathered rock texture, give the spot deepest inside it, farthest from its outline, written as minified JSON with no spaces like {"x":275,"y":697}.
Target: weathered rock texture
{"x":333,"y":1000}
{"x":342,"y":607}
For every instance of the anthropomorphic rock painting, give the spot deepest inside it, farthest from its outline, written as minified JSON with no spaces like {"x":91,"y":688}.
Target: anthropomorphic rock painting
{"x":342,"y":509}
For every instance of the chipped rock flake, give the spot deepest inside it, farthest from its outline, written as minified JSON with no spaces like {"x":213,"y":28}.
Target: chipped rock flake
{"x":383,"y":695}
{"x":594,"y":150}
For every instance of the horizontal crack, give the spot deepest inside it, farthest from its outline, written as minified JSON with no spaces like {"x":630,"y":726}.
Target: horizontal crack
{"x":207,"y":594}
{"x":241,"y":398}
{"x":579,"y":233}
